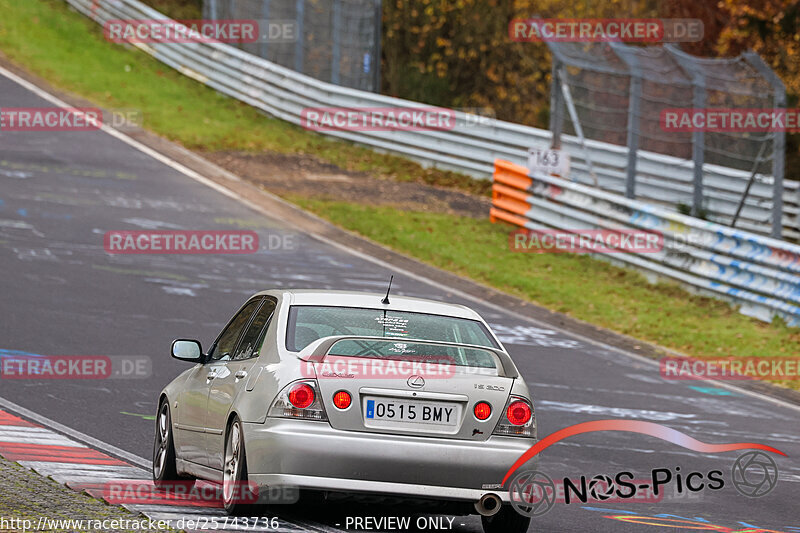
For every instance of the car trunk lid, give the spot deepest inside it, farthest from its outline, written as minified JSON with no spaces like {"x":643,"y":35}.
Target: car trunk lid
{"x":422,"y":388}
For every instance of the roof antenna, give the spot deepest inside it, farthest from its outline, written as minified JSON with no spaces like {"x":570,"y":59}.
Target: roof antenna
{"x":385,"y":300}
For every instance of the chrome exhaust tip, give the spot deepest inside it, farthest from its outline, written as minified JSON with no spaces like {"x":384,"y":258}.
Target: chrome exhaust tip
{"x":488,"y":505}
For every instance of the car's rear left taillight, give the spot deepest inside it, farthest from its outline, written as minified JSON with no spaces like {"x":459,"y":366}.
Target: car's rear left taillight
{"x":300,"y":400}
{"x":518,"y":419}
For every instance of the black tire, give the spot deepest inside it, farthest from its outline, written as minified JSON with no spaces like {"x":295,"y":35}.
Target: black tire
{"x":236,"y":496}
{"x":165,"y":474}
{"x":507,"y":520}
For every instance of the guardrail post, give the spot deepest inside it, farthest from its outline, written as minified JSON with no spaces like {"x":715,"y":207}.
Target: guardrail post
{"x":698,"y":146}
{"x":211,"y":7}
{"x":634,"y":106}
{"x":556,"y":106}
{"x":633,"y":134}
{"x":337,"y":29}
{"x":698,"y":137}
{"x":299,"y":51}
{"x":778,"y":148}
{"x":376,"y":60}
{"x":778,"y":144}
{"x":265,"y":17}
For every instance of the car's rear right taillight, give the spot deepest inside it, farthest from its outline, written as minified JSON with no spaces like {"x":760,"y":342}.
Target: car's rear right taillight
{"x":519,"y":419}
{"x":299,"y":400}
{"x":518,"y":413}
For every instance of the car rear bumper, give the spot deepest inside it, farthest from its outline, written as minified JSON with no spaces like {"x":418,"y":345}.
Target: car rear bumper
{"x":313,"y":455}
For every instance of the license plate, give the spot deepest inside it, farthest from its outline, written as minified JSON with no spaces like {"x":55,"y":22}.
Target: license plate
{"x":412,"y":412}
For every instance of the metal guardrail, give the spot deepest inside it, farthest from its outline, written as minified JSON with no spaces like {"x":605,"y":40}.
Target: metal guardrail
{"x":619,"y":91}
{"x":284,"y":93}
{"x":760,"y":274}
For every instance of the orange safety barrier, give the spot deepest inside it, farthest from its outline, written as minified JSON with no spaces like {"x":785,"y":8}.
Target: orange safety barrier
{"x":509,"y":193}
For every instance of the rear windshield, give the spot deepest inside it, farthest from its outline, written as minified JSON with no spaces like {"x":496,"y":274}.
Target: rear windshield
{"x":414,"y":351}
{"x":309,"y":323}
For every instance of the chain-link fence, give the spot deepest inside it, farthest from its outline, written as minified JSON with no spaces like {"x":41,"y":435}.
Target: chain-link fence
{"x":336,"y":41}
{"x":619,"y":94}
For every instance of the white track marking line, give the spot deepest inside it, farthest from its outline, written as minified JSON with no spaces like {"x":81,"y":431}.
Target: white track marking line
{"x":55,"y":440}
{"x":27,"y":430}
{"x":82,"y":467}
{"x":10,"y":430}
{"x":107,"y":472}
{"x":219,"y":188}
{"x":64,"y":479}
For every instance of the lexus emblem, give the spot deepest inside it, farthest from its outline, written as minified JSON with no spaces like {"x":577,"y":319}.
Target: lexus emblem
{"x":416,"y":382}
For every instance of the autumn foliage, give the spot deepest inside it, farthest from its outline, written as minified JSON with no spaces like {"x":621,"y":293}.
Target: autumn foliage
{"x":458,"y":53}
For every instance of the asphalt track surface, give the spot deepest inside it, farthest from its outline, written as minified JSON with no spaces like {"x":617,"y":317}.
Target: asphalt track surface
{"x":62,"y":294}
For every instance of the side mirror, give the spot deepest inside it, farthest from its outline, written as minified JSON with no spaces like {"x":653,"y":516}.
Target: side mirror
{"x":188,"y":350}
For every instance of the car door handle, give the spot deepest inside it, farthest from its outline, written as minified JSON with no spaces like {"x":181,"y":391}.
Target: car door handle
{"x":241,"y":374}
{"x":212,"y":374}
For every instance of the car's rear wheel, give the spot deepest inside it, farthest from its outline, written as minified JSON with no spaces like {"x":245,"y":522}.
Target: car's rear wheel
{"x":165,"y":471}
{"x":507,"y":520}
{"x":236,"y":495}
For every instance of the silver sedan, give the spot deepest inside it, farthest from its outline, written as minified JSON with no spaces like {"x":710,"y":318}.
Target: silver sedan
{"x":349,"y":394}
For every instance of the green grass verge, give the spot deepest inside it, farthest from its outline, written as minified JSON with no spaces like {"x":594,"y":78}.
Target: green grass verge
{"x":178,"y":9}
{"x":70,"y":51}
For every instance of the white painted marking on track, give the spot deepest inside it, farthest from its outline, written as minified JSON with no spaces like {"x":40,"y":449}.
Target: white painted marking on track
{"x":15,"y":224}
{"x":656,"y":380}
{"x":15,"y":174}
{"x":54,"y":440}
{"x":50,"y":465}
{"x":620,"y":412}
{"x":22,"y":430}
{"x":146,"y":223}
{"x":179,"y":291}
{"x":77,"y":469}
{"x":533,"y":336}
